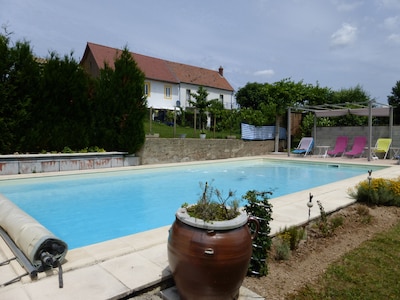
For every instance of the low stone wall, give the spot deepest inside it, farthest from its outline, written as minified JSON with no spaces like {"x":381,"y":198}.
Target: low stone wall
{"x":40,"y":163}
{"x":183,"y":150}
{"x":154,"y":151}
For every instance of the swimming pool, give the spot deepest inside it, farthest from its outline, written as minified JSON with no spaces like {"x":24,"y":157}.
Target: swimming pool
{"x":90,"y":208}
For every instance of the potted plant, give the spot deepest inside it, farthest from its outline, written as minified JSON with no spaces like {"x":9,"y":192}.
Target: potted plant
{"x":210,"y":246}
{"x":202,"y":135}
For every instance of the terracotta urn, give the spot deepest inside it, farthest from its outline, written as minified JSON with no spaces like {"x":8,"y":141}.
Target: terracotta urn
{"x":209,"y":260}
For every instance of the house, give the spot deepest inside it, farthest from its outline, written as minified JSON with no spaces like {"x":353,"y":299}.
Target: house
{"x":167,"y":84}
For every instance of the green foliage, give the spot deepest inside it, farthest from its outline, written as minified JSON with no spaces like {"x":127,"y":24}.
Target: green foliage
{"x":286,"y":241}
{"x":285,"y":93}
{"x":394,"y":100}
{"x":201,"y":103}
{"x":61,"y":114}
{"x":67,"y":150}
{"x":379,"y":191}
{"x":350,"y":96}
{"x":336,"y":222}
{"x":272,"y":99}
{"x":212,"y":206}
{"x":120,"y":106}
{"x":252,"y":117}
{"x":292,"y":235}
{"x":327,"y":226}
{"x":317,"y":95}
{"x":251,"y":95}
{"x":307,"y":124}
{"x":19,"y":80}
{"x":363,"y":213}
{"x":216,"y":110}
{"x":166,"y":131}
{"x":282,"y":249}
{"x":259,"y":207}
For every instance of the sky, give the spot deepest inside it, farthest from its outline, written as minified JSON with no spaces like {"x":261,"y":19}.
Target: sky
{"x":333,"y":43}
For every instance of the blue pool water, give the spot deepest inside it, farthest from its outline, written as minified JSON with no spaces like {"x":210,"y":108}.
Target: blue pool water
{"x":90,"y":208}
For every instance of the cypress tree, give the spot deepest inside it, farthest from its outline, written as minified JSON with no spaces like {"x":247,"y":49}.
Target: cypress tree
{"x":120,"y":105}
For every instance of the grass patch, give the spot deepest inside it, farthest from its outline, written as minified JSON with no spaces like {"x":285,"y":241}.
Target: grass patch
{"x":368,"y":272}
{"x":166,"y":131}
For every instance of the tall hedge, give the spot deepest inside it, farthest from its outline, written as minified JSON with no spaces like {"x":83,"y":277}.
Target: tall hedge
{"x":19,"y":80}
{"x":120,"y":105}
{"x":52,"y":104}
{"x":62,"y":115}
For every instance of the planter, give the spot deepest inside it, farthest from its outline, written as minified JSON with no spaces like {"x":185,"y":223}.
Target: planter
{"x":202,"y":136}
{"x":209,"y":260}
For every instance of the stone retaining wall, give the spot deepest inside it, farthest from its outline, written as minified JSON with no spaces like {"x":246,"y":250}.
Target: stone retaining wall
{"x":183,"y":150}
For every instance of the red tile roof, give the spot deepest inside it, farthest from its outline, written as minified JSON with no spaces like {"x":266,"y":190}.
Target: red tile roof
{"x":161,"y":70}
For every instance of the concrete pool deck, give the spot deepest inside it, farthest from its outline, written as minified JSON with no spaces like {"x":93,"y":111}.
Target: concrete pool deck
{"x":121,"y":267}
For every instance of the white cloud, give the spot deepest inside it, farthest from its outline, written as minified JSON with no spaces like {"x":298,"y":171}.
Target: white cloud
{"x":267,"y":73}
{"x":344,"y":36}
{"x":394,"y":38}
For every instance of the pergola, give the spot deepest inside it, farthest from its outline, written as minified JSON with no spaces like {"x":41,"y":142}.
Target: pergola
{"x":372,"y":109}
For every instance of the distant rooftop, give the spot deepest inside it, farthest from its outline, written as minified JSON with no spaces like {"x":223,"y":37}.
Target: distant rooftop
{"x":162,"y":70}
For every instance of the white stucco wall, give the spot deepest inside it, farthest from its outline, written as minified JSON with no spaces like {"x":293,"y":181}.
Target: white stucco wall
{"x":157,"y":100}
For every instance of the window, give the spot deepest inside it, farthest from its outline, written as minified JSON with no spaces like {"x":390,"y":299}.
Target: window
{"x":188,"y":95}
{"x":221,"y":98}
{"x":188,"y":98}
{"x":167,"y":92}
{"x":147,"y":89}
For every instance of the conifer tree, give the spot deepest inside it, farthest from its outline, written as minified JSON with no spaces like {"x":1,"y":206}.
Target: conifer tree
{"x":19,"y":77}
{"x":120,"y":105}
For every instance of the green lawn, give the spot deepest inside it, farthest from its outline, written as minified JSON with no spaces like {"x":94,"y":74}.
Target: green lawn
{"x":372,"y":271}
{"x":166,"y":131}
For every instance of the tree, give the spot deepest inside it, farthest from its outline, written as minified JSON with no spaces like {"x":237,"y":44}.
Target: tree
{"x":19,"y":80}
{"x":394,"y":100}
{"x":216,"y":109}
{"x":271,"y":100}
{"x":317,"y":95}
{"x":201,"y":103}
{"x":61,"y":113}
{"x":351,"y":96}
{"x":252,"y":95}
{"x":281,"y":95}
{"x":120,"y":105}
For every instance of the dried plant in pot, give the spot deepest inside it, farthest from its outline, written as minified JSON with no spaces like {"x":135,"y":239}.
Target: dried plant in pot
{"x":210,"y":246}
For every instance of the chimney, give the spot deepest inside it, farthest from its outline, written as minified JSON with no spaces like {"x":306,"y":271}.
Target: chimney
{"x":221,"y":71}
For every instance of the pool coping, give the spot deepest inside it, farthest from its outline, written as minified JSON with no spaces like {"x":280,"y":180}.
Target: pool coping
{"x":122,"y":266}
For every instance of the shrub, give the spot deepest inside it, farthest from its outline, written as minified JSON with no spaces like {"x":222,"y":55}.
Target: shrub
{"x":282,"y":249}
{"x":292,"y":235}
{"x":379,"y":191}
{"x":336,"y":222}
{"x":67,"y":150}
{"x":363,"y":213}
{"x":212,"y":206}
{"x":327,"y":227}
{"x":259,"y":207}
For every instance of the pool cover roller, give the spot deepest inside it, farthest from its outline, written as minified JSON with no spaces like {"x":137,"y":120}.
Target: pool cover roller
{"x":37,"y":243}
